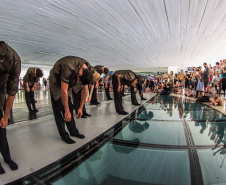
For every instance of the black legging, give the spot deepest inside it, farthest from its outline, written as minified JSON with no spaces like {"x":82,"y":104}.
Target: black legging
{"x":117,"y":95}
{"x":224,"y":85}
{"x":107,"y":92}
{"x":4,"y":146}
{"x":30,"y":99}
{"x":59,"y":115}
{"x":94,"y":95}
{"x":77,"y":100}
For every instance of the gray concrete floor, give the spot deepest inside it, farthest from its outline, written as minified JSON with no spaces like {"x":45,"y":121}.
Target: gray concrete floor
{"x":36,"y":143}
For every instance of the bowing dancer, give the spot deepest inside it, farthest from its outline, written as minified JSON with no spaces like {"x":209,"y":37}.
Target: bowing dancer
{"x":63,"y":76}
{"x":30,"y":79}
{"x":10,"y":67}
{"x":107,"y":82}
{"x":122,"y":77}
{"x":77,"y":95}
{"x":143,"y":83}
{"x":99,"y":69}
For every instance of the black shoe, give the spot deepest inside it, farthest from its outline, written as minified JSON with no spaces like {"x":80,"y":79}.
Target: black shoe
{"x":137,"y":104}
{"x":35,"y":110}
{"x":143,"y":98}
{"x":86,"y":114}
{"x":95,"y":103}
{"x":83,"y":116}
{"x":123,"y":113}
{"x":35,"y":101}
{"x":78,"y":135}
{"x":2,"y":171}
{"x":98,"y":103}
{"x":12,"y":164}
{"x":68,"y":140}
{"x":109,"y":99}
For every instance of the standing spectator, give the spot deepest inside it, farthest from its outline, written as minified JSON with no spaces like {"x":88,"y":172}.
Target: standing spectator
{"x":165,"y":77}
{"x":171,"y":82}
{"x":182,"y":78}
{"x":200,"y":87}
{"x":176,"y":79}
{"x":205,"y":76}
{"x":193,"y":79}
{"x":224,"y":76}
{"x":187,"y":81}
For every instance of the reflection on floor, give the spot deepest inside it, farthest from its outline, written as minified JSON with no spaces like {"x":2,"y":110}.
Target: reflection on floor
{"x":20,"y":111}
{"x":36,"y":143}
{"x":169,"y":140}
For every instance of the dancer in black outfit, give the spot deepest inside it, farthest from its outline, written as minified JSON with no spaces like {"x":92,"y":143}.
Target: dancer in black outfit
{"x":63,"y":77}
{"x":10,"y":66}
{"x":30,"y":79}
{"x":122,"y":77}
{"x":100,"y":70}
{"x":107,"y":82}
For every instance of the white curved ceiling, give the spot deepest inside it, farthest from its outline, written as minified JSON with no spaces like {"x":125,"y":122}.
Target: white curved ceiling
{"x":120,"y":34}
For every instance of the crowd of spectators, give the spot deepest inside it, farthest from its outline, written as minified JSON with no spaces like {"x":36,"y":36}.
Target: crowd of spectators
{"x":205,"y":83}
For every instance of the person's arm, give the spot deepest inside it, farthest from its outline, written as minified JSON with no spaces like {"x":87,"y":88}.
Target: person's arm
{"x":83,"y":99}
{"x":91,"y":92}
{"x":33,"y":88}
{"x":106,"y":81}
{"x":27,"y":87}
{"x":64,"y":97}
{"x":9,"y":103}
{"x":119,"y":83}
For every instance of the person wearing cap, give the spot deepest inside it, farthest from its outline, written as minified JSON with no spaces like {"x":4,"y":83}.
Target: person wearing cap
{"x":30,"y":79}
{"x":122,"y":77}
{"x":99,"y":69}
{"x":63,"y":77}
{"x":107,"y":81}
{"x":77,"y":94}
{"x":10,"y":67}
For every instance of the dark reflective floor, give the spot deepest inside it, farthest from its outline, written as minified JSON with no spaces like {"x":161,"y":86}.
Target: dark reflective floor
{"x":168,"y":140}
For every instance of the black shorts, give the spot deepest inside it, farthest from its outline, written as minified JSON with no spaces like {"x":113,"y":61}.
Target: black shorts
{"x":187,"y":85}
{"x":205,"y":82}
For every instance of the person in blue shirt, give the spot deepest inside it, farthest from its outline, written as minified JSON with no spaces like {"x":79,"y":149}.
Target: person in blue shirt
{"x":107,"y":81}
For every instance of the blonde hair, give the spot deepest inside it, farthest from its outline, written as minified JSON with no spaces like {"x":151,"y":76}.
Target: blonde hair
{"x":96,"y":76}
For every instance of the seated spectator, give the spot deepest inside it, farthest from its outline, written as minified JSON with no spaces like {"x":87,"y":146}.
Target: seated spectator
{"x":215,"y":99}
{"x":176,"y":89}
{"x":165,"y":90}
{"x":191,"y":93}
